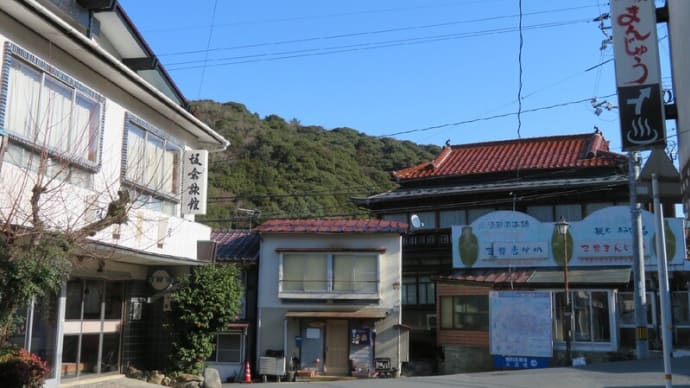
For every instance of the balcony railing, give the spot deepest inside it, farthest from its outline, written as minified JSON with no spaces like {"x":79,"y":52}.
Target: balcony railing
{"x":426,"y":240}
{"x":323,"y":289}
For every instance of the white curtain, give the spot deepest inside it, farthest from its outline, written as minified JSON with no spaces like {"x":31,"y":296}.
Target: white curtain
{"x":170,"y":158}
{"x":22,"y":101}
{"x":153,"y":176}
{"x":56,"y":108}
{"x":84,"y":134}
{"x":135,"y":155}
{"x":355,"y":273}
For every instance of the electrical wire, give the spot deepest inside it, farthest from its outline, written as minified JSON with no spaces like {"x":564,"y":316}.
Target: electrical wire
{"x":365,"y":33}
{"x":208,"y":45}
{"x":498,"y":116}
{"x":319,"y":51}
{"x":519,"y":93}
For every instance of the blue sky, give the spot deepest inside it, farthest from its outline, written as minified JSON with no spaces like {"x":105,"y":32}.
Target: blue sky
{"x":418,"y":70}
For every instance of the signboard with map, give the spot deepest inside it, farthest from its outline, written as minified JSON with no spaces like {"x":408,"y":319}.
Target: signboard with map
{"x":520,"y":324}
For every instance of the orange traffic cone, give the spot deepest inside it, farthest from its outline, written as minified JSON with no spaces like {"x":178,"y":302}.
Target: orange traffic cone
{"x":247,"y":374}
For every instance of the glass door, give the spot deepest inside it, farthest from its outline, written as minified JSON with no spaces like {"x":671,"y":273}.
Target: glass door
{"x":93,"y":317}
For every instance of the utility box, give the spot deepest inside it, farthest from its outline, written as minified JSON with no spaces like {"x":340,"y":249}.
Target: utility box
{"x":272,"y":366}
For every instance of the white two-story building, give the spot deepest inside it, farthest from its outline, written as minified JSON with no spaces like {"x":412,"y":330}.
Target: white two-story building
{"x":85,"y":103}
{"x":330,"y":298}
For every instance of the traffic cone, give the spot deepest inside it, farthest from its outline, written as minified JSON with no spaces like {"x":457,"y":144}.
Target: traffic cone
{"x":247,"y":374}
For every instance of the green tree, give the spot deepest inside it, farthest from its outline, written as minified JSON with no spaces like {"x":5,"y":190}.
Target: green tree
{"x":203,"y":304}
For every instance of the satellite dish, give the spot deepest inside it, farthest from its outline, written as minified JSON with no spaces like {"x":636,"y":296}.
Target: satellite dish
{"x":415,"y":221}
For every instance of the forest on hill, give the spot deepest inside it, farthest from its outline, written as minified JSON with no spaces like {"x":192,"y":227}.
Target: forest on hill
{"x":278,"y":169}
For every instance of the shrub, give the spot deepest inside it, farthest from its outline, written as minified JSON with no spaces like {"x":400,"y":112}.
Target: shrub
{"x":21,"y":368}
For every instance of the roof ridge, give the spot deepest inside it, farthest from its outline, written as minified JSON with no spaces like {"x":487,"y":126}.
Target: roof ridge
{"x":521,"y":140}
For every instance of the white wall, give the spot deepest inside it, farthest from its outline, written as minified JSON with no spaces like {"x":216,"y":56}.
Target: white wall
{"x":67,"y":208}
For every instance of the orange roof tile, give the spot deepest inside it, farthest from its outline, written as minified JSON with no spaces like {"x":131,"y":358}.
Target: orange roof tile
{"x":539,"y":153}
{"x":331,"y":226}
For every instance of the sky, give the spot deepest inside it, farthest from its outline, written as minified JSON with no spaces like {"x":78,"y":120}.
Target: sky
{"x":418,"y":70}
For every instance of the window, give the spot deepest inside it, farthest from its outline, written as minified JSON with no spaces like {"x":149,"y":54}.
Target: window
{"x":47,"y":110}
{"x":30,"y":160}
{"x":354,"y":273}
{"x":680,"y":308}
{"x":449,"y":218}
{"x":334,"y":273}
{"x":543,"y":213}
{"x":304,"y":272}
{"x":626,"y":309}
{"x":590,"y":314}
{"x":466,"y":312}
{"x":416,"y":291}
{"x":569,"y":212}
{"x":473,"y":214}
{"x":229,"y":348}
{"x":152,"y":159}
{"x":409,"y":290}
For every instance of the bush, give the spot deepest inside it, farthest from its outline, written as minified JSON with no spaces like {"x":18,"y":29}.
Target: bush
{"x":19,"y":367}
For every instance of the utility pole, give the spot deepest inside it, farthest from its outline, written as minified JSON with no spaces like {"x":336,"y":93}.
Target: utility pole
{"x":640,"y":292}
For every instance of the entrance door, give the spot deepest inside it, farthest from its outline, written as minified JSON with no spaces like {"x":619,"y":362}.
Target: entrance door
{"x":337,"y":351}
{"x":93,"y":317}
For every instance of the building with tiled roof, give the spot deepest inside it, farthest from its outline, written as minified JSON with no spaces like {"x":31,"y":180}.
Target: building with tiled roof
{"x":240,"y":248}
{"x":329,"y":299}
{"x":499,"y":201}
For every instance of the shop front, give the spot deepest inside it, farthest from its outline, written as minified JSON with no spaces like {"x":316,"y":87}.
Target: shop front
{"x":579,"y":282}
{"x":333,"y":344}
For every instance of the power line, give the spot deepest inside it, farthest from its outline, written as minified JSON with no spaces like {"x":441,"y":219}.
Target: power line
{"x":519,"y":93}
{"x":364,"y":33}
{"x":498,"y":116}
{"x":268,"y":57}
{"x":208,"y":45}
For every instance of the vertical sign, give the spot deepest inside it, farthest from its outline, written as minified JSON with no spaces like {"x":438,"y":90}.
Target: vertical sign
{"x":678,"y":31}
{"x":638,"y":77}
{"x":194,"y":182}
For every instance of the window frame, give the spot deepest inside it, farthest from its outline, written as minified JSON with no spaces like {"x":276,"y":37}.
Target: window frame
{"x":216,"y":348}
{"x":132,"y":122}
{"x":651,"y":309}
{"x":14,"y":53}
{"x":454,"y":314}
{"x":580,"y":345}
{"x":329,"y":290}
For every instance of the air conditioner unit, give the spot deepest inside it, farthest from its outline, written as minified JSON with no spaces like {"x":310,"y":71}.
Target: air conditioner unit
{"x":431,"y":321}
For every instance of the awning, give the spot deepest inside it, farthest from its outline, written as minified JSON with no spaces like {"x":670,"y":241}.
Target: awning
{"x":582,"y":276}
{"x":375,"y":314}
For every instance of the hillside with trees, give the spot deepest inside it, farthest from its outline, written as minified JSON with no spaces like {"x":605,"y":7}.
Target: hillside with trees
{"x":276,"y":169}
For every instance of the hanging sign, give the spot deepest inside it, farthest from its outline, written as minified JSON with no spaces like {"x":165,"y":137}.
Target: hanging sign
{"x":638,"y":78}
{"x":195,"y":182}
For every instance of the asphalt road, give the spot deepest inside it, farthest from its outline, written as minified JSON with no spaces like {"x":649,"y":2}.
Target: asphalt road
{"x":631,"y":374}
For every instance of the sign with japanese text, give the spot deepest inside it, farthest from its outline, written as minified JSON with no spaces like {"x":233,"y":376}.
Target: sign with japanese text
{"x":194,"y":182}
{"x":521,"y":326}
{"x":638,"y":75}
{"x":512,"y":239}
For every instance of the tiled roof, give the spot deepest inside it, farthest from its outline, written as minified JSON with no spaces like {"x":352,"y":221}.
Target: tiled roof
{"x":236,"y":245}
{"x":491,"y":276}
{"x":539,"y":153}
{"x":424,"y":192}
{"x":331,"y":226}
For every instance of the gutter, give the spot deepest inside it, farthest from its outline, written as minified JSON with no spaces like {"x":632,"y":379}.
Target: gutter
{"x":106,"y":57}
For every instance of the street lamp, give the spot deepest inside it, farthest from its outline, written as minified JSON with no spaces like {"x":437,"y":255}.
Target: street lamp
{"x":562,"y":227}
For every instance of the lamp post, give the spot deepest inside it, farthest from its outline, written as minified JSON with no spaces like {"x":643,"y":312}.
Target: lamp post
{"x":562,"y":226}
